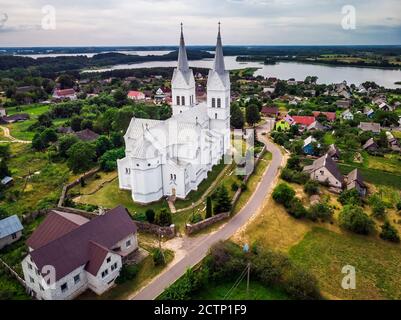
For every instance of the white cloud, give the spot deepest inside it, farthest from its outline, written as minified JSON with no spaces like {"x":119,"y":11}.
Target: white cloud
{"x":154,"y":22}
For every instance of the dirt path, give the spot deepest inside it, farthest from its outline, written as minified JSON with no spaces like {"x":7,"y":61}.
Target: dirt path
{"x":7,"y":135}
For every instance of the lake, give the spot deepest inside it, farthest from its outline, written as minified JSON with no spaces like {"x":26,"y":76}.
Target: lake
{"x":91,"y":54}
{"x":287,"y":70}
{"x":281,"y":70}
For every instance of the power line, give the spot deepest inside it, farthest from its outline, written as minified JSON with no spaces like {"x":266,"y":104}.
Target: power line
{"x":237,"y":282}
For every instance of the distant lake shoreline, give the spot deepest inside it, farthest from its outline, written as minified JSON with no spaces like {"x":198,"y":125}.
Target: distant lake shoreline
{"x":327,"y":74}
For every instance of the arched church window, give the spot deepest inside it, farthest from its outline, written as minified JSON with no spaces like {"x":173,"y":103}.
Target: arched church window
{"x":218,"y":103}
{"x":213,"y":102}
{"x":183,"y":100}
{"x":178,"y":100}
{"x":215,"y":115}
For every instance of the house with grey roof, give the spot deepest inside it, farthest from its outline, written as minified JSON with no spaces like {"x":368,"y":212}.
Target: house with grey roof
{"x":370,"y":126}
{"x":10,"y":230}
{"x":325,"y":170}
{"x":370,"y":145}
{"x":333,"y":152}
{"x":355,"y":181}
{"x":69,"y":254}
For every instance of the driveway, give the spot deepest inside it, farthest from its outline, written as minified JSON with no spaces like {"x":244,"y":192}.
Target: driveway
{"x":194,"y":249}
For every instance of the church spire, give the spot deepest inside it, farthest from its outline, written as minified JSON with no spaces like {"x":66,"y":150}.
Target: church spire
{"x":182,"y":54}
{"x":219,"y":66}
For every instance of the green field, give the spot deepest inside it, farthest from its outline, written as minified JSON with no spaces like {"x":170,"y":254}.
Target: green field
{"x":256,"y":292}
{"x":33,"y":110}
{"x":377,"y":264}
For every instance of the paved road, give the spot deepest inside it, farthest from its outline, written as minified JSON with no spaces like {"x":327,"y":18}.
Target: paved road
{"x":199,"y":246}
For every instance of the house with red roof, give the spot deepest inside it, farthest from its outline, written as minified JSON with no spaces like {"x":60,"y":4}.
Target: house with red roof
{"x":136,"y":95}
{"x":65,"y":94}
{"x":69,"y":254}
{"x":270,"y":111}
{"x":331,"y":116}
{"x":303,"y":121}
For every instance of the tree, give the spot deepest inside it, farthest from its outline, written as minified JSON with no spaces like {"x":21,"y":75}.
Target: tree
{"x":320,"y":210}
{"x":311,"y":187}
{"x":120,"y":97}
{"x":76,"y":123}
{"x":108,"y":161}
{"x":163,"y":218}
{"x":209,"y":207}
{"x":389,"y":233}
{"x":44,"y":120}
{"x":65,"y":143}
{"x":379,"y":209}
{"x":296,"y":208}
{"x":302,"y":285}
{"x":102,"y":144}
{"x":37,"y":142}
{"x":49,"y":135}
{"x":122,"y":119}
{"x":150,"y":215}
{"x":66,"y":81}
{"x":237,"y":117}
{"x":81,"y":156}
{"x":4,"y":171}
{"x":350,"y":197}
{"x":294,"y":163}
{"x":252,"y":114}
{"x":283,"y":194}
{"x":117,"y":139}
{"x":354,"y":219}
{"x":158,"y":257}
{"x":86,"y":124}
{"x":223,"y":201}
{"x":5,"y":151}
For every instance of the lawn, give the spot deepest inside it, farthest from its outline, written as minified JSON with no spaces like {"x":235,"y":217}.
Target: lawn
{"x":257,"y":291}
{"x":36,"y":180}
{"x":147,"y":271}
{"x":20,"y":130}
{"x":375,"y":176}
{"x":328,"y":138}
{"x":377,"y":264}
{"x":110,"y":196}
{"x":33,"y":110}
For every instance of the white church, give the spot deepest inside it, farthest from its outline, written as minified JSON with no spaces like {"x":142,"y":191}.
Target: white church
{"x":172,"y":157}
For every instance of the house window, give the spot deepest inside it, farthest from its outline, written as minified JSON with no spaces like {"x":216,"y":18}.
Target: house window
{"x":218,"y":103}
{"x":64,"y":287}
{"x":127,"y":170}
{"x":128,"y":244}
{"x":41,"y":288}
{"x":108,"y":260}
{"x":213,"y":103}
{"x":31,"y":280}
{"x":183,"y":100}
{"x":37,"y":271}
{"x":114,"y":266}
{"x":178,"y":100}
{"x":77,"y":279}
{"x":14,"y":236}
{"x":29,"y":266}
{"x":321,"y":172}
{"x":105,"y":273}
{"x":175,"y":177}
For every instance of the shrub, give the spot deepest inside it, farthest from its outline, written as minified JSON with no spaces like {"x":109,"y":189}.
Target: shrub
{"x":302,"y":285}
{"x":294,"y":176}
{"x":158,"y":257}
{"x":389,"y":233}
{"x":294,"y":163}
{"x":320,"y":210}
{"x":195,"y":218}
{"x":296,"y":208}
{"x":163,"y":218}
{"x":379,"y":210}
{"x":354,"y":219}
{"x":209,"y":207}
{"x":350,"y":197}
{"x":223,"y":201}
{"x":150,"y":215}
{"x":283,"y":194}
{"x":311,"y":187}
{"x":398,"y":206}
{"x":108,"y":161}
{"x":234,"y":186}
{"x":127,"y":273}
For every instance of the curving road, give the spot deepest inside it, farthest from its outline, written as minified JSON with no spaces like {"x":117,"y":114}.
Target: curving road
{"x":9,"y":136}
{"x":198,"y":247}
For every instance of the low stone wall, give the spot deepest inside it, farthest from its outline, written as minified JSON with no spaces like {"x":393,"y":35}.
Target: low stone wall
{"x":28,"y":218}
{"x":168,"y":232}
{"x":74,"y":183}
{"x":192,"y":228}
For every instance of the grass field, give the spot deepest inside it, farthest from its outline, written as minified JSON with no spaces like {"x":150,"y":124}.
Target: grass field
{"x":324,"y":253}
{"x":257,"y":291}
{"x":110,"y":196}
{"x":33,"y":110}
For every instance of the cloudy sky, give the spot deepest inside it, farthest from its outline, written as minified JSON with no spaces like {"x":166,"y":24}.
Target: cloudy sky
{"x":156,"y":22}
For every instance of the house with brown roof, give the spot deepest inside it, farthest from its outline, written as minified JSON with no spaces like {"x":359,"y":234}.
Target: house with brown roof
{"x":86,"y":135}
{"x":69,"y":254}
{"x":270,"y":112}
{"x":325,"y":170}
{"x":370,"y":145}
{"x":333,"y":152}
{"x":370,"y":126}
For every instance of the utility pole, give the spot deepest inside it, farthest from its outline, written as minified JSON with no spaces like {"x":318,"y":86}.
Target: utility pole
{"x":247,"y":279}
